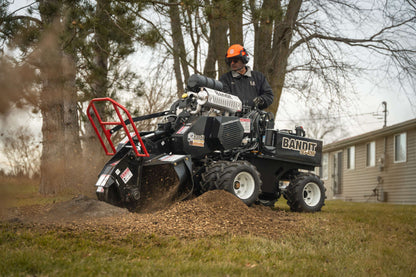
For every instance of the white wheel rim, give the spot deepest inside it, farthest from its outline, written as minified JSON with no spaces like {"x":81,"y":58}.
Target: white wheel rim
{"x":244,"y":185}
{"x":311,"y":194}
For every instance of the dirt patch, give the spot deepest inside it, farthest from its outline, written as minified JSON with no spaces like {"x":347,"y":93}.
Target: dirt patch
{"x":213,"y":213}
{"x":81,"y":208}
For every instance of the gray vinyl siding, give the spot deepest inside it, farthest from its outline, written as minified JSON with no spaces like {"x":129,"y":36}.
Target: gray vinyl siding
{"x":360,"y":182}
{"x":398,"y":179}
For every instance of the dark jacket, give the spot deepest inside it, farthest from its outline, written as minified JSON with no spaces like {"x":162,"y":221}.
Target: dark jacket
{"x":248,"y":86}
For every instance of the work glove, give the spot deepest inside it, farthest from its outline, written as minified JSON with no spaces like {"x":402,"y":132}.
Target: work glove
{"x":258,"y":101}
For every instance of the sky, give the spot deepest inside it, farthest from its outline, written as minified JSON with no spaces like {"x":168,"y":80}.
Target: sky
{"x":364,"y":115}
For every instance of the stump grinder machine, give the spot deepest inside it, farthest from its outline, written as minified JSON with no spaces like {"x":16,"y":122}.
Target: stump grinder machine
{"x":207,"y":140}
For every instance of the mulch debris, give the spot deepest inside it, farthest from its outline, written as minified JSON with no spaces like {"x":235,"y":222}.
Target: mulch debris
{"x":213,"y":213}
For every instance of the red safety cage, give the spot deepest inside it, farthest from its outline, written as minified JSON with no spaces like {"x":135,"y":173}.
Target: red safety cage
{"x":107,"y":132}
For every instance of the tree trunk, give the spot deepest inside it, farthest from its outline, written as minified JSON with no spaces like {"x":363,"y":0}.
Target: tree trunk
{"x":179,"y":52}
{"x":53,"y":127}
{"x":280,"y":54}
{"x":52,"y":159}
{"x":60,"y":130}
{"x":235,"y":21}
{"x":264,"y":34}
{"x":273,"y":33}
{"x":72,"y":144}
{"x":48,"y":57}
{"x":217,"y":45}
{"x":93,"y":153}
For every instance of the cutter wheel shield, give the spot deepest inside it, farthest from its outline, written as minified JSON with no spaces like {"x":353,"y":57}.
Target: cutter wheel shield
{"x":306,"y":193}
{"x":241,"y":179}
{"x":111,"y":195}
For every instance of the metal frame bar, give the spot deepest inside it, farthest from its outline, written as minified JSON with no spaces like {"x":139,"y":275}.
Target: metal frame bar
{"x":107,"y":132}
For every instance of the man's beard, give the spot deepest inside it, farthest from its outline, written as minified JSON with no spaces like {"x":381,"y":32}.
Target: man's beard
{"x":238,"y":69}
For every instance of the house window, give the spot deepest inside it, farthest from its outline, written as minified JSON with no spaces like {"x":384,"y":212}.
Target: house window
{"x":323,"y":170}
{"x":371,"y":154}
{"x":351,"y":157}
{"x":400,"y":148}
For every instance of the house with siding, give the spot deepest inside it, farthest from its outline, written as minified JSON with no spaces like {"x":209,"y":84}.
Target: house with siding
{"x":375,"y":166}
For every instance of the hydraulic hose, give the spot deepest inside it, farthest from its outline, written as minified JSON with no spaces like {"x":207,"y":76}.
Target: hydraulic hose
{"x":195,"y":82}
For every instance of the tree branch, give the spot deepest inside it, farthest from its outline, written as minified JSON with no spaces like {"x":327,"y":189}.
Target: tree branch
{"x":21,"y":17}
{"x":358,"y":42}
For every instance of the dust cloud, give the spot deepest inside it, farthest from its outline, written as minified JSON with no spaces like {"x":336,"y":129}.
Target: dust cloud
{"x":16,"y":83}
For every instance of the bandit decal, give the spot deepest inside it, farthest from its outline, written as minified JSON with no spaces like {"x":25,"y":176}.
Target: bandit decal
{"x":304,"y":147}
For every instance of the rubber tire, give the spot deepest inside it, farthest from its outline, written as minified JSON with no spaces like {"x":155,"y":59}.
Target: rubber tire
{"x":267,"y":203}
{"x":248,"y":177}
{"x":306,"y":193}
{"x":211,"y":175}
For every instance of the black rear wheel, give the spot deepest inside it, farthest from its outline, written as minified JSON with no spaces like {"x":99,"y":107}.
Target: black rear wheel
{"x":211,"y":175}
{"x":306,"y":193}
{"x":241,"y":179}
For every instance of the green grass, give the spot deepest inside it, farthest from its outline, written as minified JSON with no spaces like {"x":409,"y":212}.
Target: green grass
{"x":17,"y":192}
{"x":345,"y":239}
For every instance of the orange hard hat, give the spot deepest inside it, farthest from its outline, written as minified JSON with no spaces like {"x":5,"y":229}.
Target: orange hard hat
{"x":237,"y":51}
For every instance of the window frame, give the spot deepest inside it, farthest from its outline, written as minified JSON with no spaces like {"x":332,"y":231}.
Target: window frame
{"x":324,"y":169}
{"x":350,"y":166}
{"x":373,"y":158}
{"x":405,"y":147}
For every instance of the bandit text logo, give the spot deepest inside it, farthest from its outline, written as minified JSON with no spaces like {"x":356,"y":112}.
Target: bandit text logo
{"x":304,"y":147}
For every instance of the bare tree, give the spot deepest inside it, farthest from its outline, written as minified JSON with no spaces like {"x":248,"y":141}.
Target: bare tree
{"x":178,"y":46}
{"x":43,"y":40}
{"x":310,"y":38}
{"x":56,"y":70}
{"x":303,"y":47}
{"x":73,"y":46}
{"x":97,"y":60}
{"x":217,"y":14}
{"x":22,"y":150}
{"x":321,"y":124}
{"x":157,"y":98}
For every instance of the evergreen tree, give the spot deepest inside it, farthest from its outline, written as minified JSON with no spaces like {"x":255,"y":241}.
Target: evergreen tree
{"x":77,"y":49}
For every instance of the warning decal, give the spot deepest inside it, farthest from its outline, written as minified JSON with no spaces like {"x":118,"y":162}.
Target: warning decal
{"x":171,"y":158}
{"x":246,"y":124}
{"x":196,"y":140}
{"x":126,"y":175}
{"x":102,"y":180}
{"x":182,"y":130}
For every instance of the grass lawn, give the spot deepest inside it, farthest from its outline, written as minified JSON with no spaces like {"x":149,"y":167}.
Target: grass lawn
{"x":345,"y":239}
